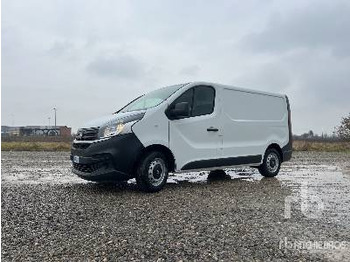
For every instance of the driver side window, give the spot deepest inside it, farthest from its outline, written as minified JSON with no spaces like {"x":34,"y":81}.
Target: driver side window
{"x":185,"y":97}
{"x":204,"y":100}
{"x":201,"y":100}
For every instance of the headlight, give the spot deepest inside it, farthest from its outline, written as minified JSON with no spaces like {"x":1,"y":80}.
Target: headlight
{"x":117,"y":128}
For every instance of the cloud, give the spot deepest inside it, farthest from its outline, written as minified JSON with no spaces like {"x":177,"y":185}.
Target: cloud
{"x":93,"y":57}
{"x":60,"y":48}
{"x":303,"y":50}
{"x":190,"y":70}
{"x":320,"y":25}
{"x":272,"y":76}
{"x":124,"y":66}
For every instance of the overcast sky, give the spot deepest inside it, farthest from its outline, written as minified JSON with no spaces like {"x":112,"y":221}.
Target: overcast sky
{"x":89,"y":58}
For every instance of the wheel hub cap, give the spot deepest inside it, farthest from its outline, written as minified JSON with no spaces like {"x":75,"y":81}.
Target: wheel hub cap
{"x":272,"y":162}
{"x":156,"y":172}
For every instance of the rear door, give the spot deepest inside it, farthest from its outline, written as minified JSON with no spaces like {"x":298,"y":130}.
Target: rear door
{"x":197,"y":137}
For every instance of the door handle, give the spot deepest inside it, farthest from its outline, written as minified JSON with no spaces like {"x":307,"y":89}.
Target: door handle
{"x":212,"y":129}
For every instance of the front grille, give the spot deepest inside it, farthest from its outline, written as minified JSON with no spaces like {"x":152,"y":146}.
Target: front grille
{"x":81,"y":145}
{"x":87,"y":133}
{"x":87,"y":168}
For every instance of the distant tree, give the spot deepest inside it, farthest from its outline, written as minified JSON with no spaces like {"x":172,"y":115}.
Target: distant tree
{"x":343,"y":131}
{"x":311,"y":133}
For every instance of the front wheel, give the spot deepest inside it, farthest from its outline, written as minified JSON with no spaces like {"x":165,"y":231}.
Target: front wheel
{"x":271,"y":164}
{"x":152,"y":172}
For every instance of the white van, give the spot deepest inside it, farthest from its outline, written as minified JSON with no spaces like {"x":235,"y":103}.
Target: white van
{"x":193,"y":126}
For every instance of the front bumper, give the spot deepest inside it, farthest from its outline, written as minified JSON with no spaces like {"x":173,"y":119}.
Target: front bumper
{"x":106,"y":160}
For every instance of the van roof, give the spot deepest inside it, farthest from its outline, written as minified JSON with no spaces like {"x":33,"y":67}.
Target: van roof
{"x":236,"y":88}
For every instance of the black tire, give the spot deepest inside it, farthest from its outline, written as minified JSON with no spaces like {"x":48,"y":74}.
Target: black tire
{"x":152,"y":172}
{"x":271,"y":164}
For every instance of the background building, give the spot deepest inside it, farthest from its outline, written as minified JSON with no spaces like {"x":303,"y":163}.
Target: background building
{"x":62,"y":131}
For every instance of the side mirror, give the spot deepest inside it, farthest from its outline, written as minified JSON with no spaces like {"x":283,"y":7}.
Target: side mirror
{"x":179,"y":110}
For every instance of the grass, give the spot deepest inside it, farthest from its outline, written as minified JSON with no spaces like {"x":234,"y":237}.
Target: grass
{"x":65,"y":146}
{"x":321,"y":146}
{"x":35,"y":146}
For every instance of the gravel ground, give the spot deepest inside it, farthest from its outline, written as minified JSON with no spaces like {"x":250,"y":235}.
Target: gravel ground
{"x":49,"y":214}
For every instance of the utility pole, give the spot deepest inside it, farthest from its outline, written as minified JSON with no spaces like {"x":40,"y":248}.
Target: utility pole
{"x":55,"y":109}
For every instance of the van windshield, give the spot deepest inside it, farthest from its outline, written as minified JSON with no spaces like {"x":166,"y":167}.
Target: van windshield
{"x":151,"y":99}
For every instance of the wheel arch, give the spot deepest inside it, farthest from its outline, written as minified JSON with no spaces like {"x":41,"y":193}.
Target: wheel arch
{"x":161,"y":148}
{"x":277,"y":147}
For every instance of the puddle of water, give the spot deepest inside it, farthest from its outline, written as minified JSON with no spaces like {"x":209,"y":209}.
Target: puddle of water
{"x":247,"y":174}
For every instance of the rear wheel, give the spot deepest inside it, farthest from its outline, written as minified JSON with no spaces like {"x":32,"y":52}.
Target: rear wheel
{"x":271,"y":164}
{"x":152,"y":172}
